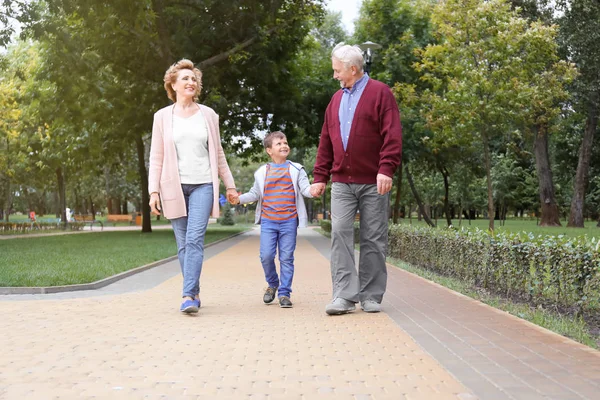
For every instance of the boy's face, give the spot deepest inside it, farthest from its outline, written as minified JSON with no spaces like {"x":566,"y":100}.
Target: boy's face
{"x":279,"y":150}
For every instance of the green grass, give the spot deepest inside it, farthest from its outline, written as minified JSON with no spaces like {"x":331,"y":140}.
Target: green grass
{"x":574,"y":328}
{"x":84,"y":258}
{"x":519,"y":225}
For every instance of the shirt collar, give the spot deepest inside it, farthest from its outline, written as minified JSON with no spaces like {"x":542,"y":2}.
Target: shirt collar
{"x":358,"y":85}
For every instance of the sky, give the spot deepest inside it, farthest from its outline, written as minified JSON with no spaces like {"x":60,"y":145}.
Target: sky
{"x":349,"y":9}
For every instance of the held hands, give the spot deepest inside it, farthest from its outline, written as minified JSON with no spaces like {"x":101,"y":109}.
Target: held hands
{"x":154,"y":203}
{"x":233,"y":197}
{"x":384,"y":184}
{"x":317,"y":189}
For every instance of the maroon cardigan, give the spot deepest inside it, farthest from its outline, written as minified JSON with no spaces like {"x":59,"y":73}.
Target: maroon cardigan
{"x":375,"y":142}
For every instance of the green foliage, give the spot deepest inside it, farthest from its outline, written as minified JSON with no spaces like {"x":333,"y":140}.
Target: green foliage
{"x":540,"y":269}
{"x":227,"y":218}
{"x":325,"y":224}
{"x":492,"y":72}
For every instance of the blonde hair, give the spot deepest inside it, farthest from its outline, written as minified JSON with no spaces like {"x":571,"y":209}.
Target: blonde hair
{"x":171,"y":77}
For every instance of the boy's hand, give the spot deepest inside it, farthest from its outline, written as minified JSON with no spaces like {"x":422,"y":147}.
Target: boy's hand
{"x":317,"y":189}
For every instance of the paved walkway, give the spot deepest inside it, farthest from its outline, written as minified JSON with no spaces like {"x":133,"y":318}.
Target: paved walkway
{"x":129,"y":341}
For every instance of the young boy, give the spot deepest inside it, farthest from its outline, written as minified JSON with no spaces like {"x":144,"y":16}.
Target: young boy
{"x":278,"y":188}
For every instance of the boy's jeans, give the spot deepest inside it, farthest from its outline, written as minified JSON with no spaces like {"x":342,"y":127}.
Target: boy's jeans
{"x":190,"y":232}
{"x":282,"y":235}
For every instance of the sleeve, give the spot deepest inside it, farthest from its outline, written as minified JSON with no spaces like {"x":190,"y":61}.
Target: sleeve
{"x":324,"y":159}
{"x":304,"y":183}
{"x":157,"y":148}
{"x":224,"y":171}
{"x":390,"y":155}
{"x":254,"y":193}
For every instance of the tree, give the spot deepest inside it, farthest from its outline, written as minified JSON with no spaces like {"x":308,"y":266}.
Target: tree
{"x":245,"y":48}
{"x":491,"y":71}
{"x":400,"y":27}
{"x":580,"y":36}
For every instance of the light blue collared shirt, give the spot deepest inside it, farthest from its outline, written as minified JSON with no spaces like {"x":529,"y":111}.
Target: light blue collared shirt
{"x":350,"y":98}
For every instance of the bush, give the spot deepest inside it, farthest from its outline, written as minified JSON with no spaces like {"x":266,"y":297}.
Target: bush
{"x":540,"y":269}
{"x":325,"y":224}
{"x":227,"y":218}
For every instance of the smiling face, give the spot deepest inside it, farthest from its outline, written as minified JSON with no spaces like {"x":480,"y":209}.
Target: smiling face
{"x":186,"y":85}
{"x":279,"y":150}
{"x":346,"y":76}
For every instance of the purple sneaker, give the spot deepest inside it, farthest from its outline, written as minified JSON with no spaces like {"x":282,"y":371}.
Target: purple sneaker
{"x":190,"y":306}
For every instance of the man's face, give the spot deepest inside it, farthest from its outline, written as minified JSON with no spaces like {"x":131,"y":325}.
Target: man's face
{"x":346,"y":76}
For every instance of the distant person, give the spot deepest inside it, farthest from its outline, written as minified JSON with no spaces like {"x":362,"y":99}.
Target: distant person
{"x":360,"y":149}
{"x":186,"y":161}
{"x":278,"y":188}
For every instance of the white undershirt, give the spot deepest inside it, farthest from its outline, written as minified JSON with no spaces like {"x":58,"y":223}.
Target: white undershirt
{"x":191,"y":142}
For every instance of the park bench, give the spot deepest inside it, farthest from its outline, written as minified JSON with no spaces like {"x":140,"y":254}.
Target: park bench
{"x":88,"y":220}
{"x":119,"y":218}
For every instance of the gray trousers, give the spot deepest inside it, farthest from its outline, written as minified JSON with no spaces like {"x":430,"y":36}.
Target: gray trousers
{"x":369,"y":282}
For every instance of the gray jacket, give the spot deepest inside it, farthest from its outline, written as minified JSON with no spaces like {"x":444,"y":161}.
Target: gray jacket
{"x":301,"y":188}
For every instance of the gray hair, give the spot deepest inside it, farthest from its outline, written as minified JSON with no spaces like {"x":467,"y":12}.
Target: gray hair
{"x":348,"y":55}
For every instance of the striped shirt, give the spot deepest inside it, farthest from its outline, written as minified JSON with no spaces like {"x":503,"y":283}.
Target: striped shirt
{"x":279,"y":198}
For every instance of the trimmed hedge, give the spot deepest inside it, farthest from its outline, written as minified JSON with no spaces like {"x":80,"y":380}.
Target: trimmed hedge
{"x":325,"y":224}
{"x":540,"y":269}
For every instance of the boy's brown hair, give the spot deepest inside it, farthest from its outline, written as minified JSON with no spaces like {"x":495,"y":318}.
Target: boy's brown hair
{"x":268,"y":140}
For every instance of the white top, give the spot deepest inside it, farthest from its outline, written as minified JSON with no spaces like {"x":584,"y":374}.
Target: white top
{"x":191,"y":142}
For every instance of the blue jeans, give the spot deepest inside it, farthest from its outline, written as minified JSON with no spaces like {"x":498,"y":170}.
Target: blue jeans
{"x":190,"y":232}
{"x":278,"y":235}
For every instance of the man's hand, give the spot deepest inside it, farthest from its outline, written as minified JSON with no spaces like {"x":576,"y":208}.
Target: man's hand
{"x":232,"y":196}
{"x":384,"y":184}
{"x":317,"y":189}
{"x":154,"y":203}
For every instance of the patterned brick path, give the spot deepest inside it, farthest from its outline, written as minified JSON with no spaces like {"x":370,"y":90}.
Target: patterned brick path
{"x":430,"y":343}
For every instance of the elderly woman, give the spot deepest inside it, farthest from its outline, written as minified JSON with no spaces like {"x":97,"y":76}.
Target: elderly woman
{"x":186,"y":159}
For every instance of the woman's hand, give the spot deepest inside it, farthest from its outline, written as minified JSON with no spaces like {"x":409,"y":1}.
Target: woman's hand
{"x":154,"y":203}
{"x":232,"y":196}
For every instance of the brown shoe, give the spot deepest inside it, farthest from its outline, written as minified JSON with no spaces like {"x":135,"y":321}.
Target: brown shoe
{"x":269,"y":295}
{"x":285,"y":302}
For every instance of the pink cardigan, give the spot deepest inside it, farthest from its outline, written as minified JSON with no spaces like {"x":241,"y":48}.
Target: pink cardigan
{"x":163,"y":174}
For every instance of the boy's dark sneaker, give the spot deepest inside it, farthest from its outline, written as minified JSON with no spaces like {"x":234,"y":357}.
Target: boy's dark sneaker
{"x":285,"y":302}
{"x":269,"y":295}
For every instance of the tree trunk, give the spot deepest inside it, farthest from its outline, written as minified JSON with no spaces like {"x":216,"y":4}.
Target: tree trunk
{"x":398,"y":193}
{"x":7,"y":197}
{"x":488,"y":174}
{"x":92,"y":208}
{"x":445,"y":175}
{"x":418,"y":197}
{"x":146,"y":222}
{"x":107,"y":189}
{"x":62,"y":200}
{"x":583,"y":166}
{"x":549,"y":209}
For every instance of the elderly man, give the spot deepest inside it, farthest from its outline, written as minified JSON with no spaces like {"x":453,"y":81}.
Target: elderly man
{"x":360,"y":149}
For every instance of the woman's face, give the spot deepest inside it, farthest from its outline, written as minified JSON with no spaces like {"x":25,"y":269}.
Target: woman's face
{"x":186,"y":85}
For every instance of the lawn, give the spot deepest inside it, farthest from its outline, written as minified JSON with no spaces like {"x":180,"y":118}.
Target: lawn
{"x":518,"y":225}
{"x":88,"y":257}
